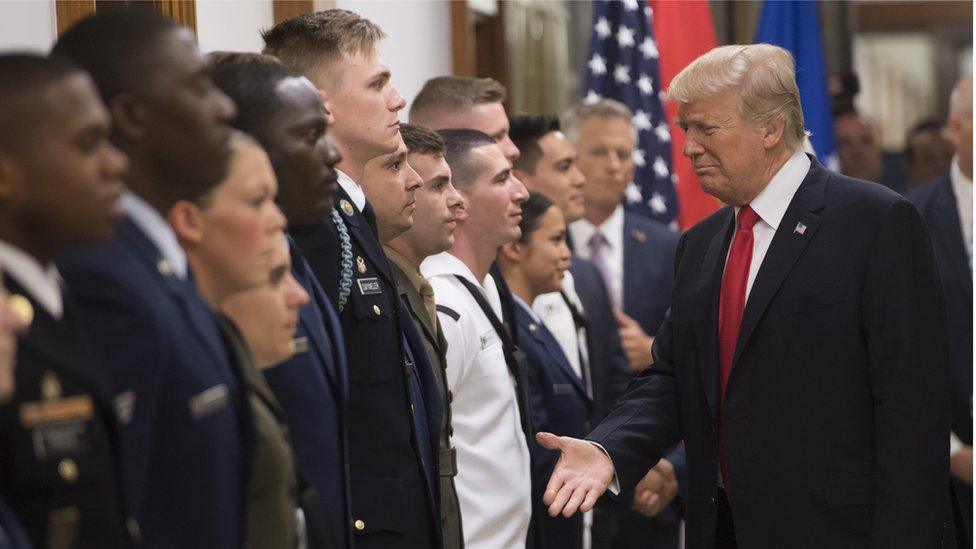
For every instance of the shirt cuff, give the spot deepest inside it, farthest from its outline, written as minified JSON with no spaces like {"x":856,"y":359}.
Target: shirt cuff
{"x":614,"y":487}
{"x":954,"y":444}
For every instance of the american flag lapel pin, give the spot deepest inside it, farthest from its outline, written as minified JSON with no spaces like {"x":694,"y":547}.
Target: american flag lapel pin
{"x":800,"y":229}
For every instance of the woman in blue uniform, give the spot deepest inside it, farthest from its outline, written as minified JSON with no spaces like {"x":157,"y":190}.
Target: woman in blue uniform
{"x":532,"y":266}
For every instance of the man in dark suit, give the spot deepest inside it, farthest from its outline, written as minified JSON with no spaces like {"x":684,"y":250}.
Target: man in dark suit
{"x":635,"y":257}
{"x":436,"y":204}
{"x":804,"y":359}
{"x":281,"y":110}
{"x":947,"y":204}
{"x":60,"y":179}
{"x":393,"y":496}
{"x":185,"y":423}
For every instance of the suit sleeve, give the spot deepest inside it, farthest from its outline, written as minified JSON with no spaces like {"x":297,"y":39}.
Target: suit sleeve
{"x":644,"y":425}
{"x":904,"y":325}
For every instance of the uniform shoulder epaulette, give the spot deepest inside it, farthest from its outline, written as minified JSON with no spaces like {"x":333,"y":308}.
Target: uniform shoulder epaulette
{"x":449,"y":312}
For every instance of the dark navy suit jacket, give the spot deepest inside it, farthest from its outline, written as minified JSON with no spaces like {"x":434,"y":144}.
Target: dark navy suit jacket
{"x":186,"y":429}
{"x":648,"y":271}
{"x":937,"y":202}
{"x":312,"y":388}
{"x":33,"y":450}
{"x":560,"y":406}
{"x":12,"y":535}
{"x":392,"y":503}
{"x":835,"y":415}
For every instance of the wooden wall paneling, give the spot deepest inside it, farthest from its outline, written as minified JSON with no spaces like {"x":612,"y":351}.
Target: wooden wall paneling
{"x":70,"y":12}
{"x":181,"y":11}
{"x":462,"y":40}
{"x":491,"y":47}
{"x":286,"y":9}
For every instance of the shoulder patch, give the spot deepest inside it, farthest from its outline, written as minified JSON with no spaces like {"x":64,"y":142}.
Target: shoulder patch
{"x":449,"y":312}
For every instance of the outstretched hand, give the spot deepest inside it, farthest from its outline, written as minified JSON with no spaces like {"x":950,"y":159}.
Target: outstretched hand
{"x":582,"y":474}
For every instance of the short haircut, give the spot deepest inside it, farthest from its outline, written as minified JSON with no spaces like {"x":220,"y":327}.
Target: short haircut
{"x":420,"y":140}
{"x":458,"y":145}
{"x":250,"y":79}
{"x":24,"y":77}
{"x":765,"y":77}
{"x":316,"y":41}
{"x":525,"y":131}
{"x":532,"y":209}
{"x":445,"y":94}
{"x":115,"y":47}
{"x":574,"y":116}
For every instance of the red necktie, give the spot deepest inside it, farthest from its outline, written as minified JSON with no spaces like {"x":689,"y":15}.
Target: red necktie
{"x":731,"y":303}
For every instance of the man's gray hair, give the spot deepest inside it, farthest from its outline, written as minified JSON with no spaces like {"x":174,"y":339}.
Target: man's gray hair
{"x":573,"y":118}
{"x":763,"y":74}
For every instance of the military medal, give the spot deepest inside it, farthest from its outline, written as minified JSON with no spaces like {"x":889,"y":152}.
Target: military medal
{"x":21,"y":306}
{"x":360,"y":264}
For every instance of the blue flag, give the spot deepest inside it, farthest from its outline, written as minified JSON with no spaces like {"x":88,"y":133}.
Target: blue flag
{"x":623,"y":65}
{"x":795,"y":25}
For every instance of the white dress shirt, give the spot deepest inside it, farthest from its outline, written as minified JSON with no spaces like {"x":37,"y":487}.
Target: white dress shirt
{"x":353,"y":189}
{"x":770,"y":205}
{"x":557,"y":317}
{"x":612,"y":230}
{"x":962,"y":187}
{"x":158,"y":230}
{"x":43,"y":283}
{"x":494,"y":482}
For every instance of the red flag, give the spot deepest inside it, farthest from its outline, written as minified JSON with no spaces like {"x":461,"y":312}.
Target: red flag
{"x":684,"y":31}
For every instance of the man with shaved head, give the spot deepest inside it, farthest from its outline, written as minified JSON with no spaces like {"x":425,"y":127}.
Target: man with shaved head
{"x":60,"y":184}
{"x":947,"y":204}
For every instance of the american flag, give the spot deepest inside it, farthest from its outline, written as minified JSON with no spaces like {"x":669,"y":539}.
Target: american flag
{"x":623,"y":65}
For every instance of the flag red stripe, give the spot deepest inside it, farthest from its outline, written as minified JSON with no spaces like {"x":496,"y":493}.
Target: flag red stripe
{"x":684,"y":31}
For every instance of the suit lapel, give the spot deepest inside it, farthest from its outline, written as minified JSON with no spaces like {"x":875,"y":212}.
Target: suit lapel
{"x":46,"y":334}
{"x":784,"y":250}
{"x":706,"y":337}
{"x":944,"y":220}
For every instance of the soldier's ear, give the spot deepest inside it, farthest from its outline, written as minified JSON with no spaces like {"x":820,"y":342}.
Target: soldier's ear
{"x":130,"y":118}
{"x":11,"y":175}
{"x":187,"y":221}
{"x":513,"y":252}
{"x":327,"y":105}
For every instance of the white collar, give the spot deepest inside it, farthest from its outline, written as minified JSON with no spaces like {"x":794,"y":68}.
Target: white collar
{"x":446,"y":263}
{"x":771,"y":203}
{"x":612,"y":229}
{"x":353,"y":189}
{"x":42,"y":283}
{"x":525,"y":306}
{"x":158,"y":230}
{"x":962,"y":186}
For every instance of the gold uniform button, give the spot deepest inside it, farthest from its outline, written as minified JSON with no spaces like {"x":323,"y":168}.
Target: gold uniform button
{"x":68,"y":470}
{"x":376,"y":310}
{"x":360,"y":525}
{"x":134,"y":531}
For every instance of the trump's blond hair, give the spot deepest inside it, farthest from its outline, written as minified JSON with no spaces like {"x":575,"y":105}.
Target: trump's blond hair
{"x":764,"y":76}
